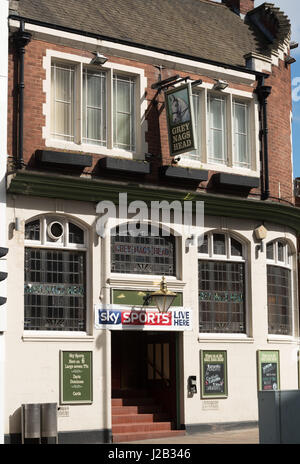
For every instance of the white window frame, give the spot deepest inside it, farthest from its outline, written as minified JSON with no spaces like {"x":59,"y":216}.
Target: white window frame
{"x":227,"y":257}
{"x":110,"y":68}
{"x":287,"y":263}
{"x":63,"y":244}
{"x":202,"y":160}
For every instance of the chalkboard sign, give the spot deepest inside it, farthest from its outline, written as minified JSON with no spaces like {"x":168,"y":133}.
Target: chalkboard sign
{"x":268,"y":370}
{"x":76,"y":380}
{"x":214,"y":374}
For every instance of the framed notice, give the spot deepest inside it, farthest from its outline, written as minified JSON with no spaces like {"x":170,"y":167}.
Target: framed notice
{"x":76,"y":377}
{"x":268,"y":370}
{"x":214,"y":374}
{"x":180,"y":120}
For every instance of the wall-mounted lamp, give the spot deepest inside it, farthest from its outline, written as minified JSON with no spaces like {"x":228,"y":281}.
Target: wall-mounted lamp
{"x":192,"y":384}
{"x":220,"y":85}
{"x":162,"y":299}
{"x":289,"y":60}
{"x":293,"y":45}
{"x":99,"y":59}
{"x":176,"y":159}
{"x":260,"y":234}
{"x":189,"y":241}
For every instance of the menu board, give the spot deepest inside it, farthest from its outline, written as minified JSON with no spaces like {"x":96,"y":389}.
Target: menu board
{"x":214,"y":374}
{"x":76,"y":377}
{"x":268,"y":370}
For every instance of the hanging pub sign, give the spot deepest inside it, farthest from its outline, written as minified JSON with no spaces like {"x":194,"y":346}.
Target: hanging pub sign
{"x":180,"y":119}
{"x":268,"y":370}
{"x":76,"y":380}
{"x":214,"y":374}
{"x":118,"y":317}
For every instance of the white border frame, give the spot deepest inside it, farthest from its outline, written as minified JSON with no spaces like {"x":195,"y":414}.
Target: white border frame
{"x":110,"y":68}
{"x":229,"y":95}
{"x":63,"y":245}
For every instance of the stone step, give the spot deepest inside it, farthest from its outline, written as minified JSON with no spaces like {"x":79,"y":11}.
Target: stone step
{"x":135,"y":418}
{"x":141,"y":409}
{"x":141,"y":427}
{"x":136,"y":436}
{"x":140,"y":401}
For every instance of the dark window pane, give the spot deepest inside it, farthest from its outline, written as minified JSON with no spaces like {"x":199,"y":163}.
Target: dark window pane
{"x":143,"y":254}
{"x":279,"y":300}
{"x":236,"y":248}
{"x":221,"y":297}
{"x":54,"y":290}
{"x":32,"y":230}
{"x":280,"y":251}
{"x":203,"y":248}
{"x":76,"y":235}
{"x":270,"y":251}
{"x":219,"y":244}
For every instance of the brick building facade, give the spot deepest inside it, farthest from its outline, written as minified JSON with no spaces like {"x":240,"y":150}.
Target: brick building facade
{"x":87,"y":121}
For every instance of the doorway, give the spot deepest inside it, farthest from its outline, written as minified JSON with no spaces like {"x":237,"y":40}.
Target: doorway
{"x":147,"y":361}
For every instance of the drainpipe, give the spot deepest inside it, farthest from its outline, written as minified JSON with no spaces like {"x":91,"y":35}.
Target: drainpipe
{"x":21,"y":39}
{"x":263,"y":92}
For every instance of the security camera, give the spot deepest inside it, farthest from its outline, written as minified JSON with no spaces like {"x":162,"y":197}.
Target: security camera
{"x":55,"y":230}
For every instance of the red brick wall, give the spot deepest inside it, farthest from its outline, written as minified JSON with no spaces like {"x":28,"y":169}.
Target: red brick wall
{"x":242,"y":5}
{"x":280,"y":148}
{"x":279,"y":106}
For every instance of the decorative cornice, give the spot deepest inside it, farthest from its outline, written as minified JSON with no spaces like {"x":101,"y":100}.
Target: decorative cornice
{"x":48,"y":185}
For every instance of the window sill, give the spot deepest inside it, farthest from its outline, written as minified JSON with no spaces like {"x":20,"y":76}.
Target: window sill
{"x":93,"y":149}
{"x":224,"y":338}
{"x":197,"y":164}
{"x":38,"y":336}
{"x":281,"y":339}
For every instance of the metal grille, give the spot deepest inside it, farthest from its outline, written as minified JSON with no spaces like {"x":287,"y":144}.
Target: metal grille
{"x":54,"y":290}
{"x":279,"y":300}
{"x":221,"y":297}
{"x":143,"y":255}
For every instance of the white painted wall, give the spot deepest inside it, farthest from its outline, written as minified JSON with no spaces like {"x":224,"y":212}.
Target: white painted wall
{"x":3,"y":160}
{"x":34,"y":358}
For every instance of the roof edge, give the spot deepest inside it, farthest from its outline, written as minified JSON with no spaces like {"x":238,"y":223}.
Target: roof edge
{"x":244,"y":69}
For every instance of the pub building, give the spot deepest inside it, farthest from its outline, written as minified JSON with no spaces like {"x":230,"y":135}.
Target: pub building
{"x":140,"y":335}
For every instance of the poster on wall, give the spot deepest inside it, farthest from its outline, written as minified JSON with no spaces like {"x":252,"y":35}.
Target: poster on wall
{"x":76,"y":377}
{"x":213,"y":374}
{"x":180,"y":120}
{"x":268,"y":370}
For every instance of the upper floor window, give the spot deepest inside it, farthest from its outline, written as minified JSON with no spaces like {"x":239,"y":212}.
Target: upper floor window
{"x":80,"y":106}
{"x":223,"y":127}
{"x":222,"y":287}
{"x":54,"y":275}
{"x":92,"y":108}
{"x":241,"y":142}
{"x":143,"y":254}
{"x":217,"y":151}
{"x":279,"y":264}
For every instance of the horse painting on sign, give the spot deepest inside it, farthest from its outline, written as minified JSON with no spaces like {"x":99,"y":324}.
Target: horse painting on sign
{"x":180,"y":111}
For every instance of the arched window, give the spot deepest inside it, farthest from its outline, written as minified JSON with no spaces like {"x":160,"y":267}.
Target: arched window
{"x":221,"y":276}
{"x":143,"y":254}
{"x":279,"y":265}
{"x":55,"y":275}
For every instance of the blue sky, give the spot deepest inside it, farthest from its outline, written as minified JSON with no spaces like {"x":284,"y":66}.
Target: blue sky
{"x":292,"y":9}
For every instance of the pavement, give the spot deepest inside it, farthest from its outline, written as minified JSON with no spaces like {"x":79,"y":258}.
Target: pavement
{"x":241,"y":436}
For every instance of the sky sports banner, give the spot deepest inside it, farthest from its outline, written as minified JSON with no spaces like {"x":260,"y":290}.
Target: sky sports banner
{"x":125,"y":317}
{"x":180,"y":119}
